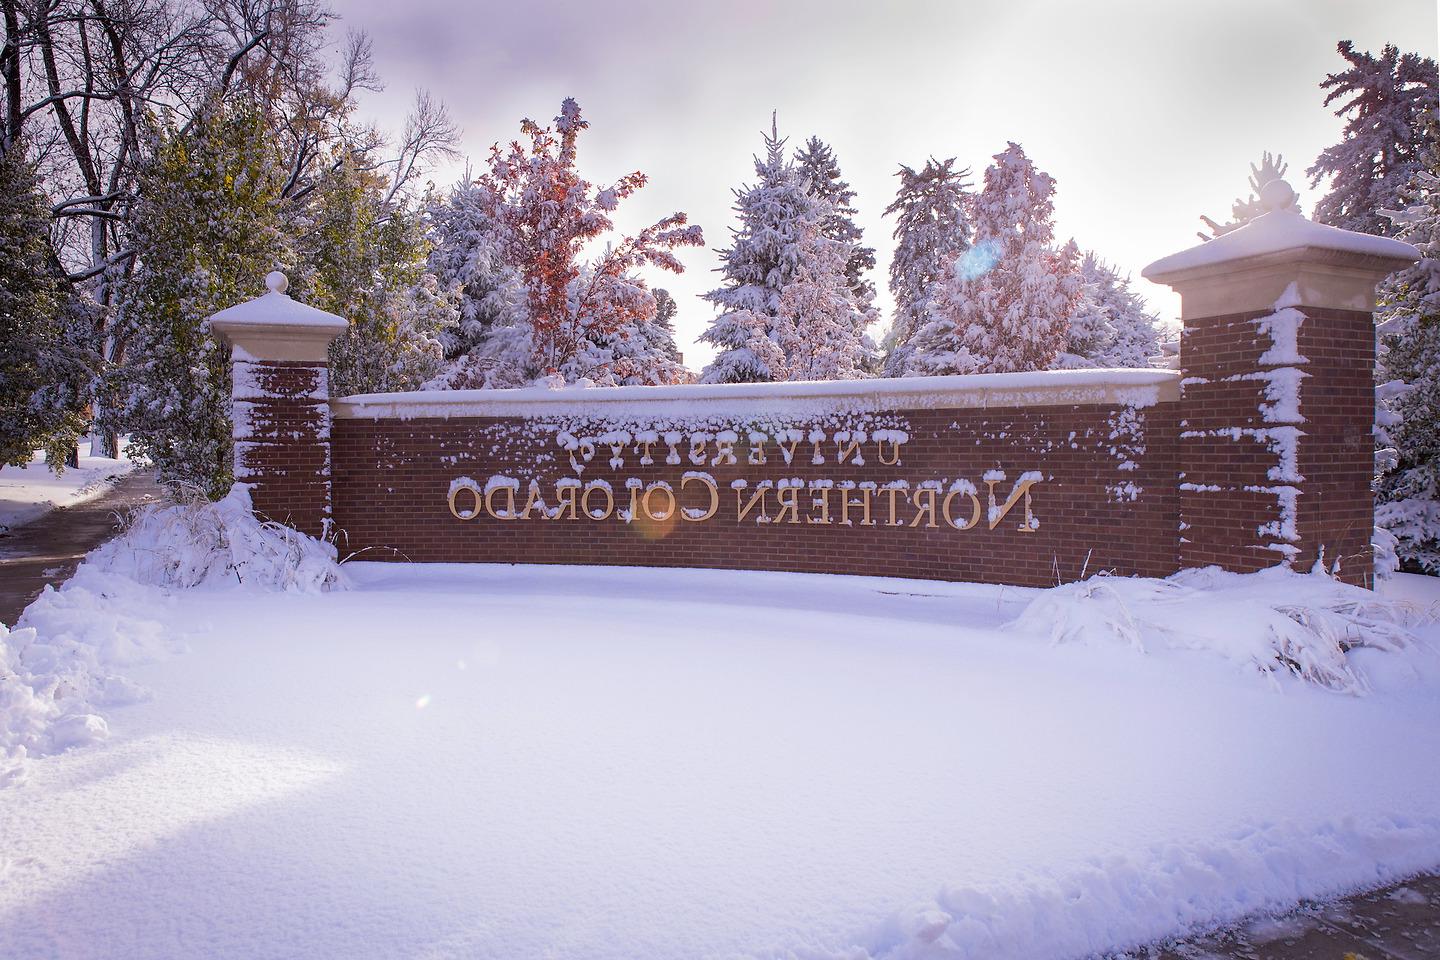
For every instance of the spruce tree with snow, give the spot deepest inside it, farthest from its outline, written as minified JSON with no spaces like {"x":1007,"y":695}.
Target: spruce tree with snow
{"x":817,"y":165}
{"x":47,"y":353}
{"x":781,"y":229}
{"x":489,"y":345}
{"x":1112,"y":325}
{"x":932,"y":231}
{"x":665,"y":311}
{"x":206,"y":231}
{"x":1270,"y":167}
{"x":1386,"y":102}
{"x":1006,"y":304}
{"x":821,"y":330}
{"x":1408,"y":489}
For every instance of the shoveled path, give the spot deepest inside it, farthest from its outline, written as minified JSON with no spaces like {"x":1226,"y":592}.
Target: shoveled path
{"x":1400,"y":922}
{"x":48,"y":548}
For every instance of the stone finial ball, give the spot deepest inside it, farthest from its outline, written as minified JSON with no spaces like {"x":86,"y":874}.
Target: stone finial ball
{"x":1278,"y":195}
{"x":277,"y":282}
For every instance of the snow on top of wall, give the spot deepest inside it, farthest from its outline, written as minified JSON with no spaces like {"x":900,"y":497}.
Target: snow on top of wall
{"x":1137,"y":388}
{"x":1275,"y":231}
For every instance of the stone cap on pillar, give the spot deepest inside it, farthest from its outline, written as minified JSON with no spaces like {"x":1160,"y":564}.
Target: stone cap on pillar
{"x":1250,"y":267}
{"x":275,"y":327}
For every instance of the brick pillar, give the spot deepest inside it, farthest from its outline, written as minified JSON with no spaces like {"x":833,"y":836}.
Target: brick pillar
{"x":281,"y":410}
{"x":1277,"y":402}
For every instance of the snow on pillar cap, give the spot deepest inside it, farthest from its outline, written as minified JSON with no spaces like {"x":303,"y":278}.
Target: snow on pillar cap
{"x":1283,"y":229}
{"x":276,"y":327}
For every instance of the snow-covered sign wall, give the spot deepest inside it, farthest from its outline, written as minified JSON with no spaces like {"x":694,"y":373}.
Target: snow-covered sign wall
{"x":1023,"y":478}
{"x":1258,"y":451}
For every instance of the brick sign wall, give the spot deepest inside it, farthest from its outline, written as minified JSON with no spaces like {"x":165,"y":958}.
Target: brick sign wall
{"x":930,"y":485}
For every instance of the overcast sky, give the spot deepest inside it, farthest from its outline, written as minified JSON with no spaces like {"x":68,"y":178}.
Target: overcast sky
{"x":1147,"y":113}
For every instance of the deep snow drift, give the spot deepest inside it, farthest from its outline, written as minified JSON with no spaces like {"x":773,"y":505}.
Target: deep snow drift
{"x":446,"y":761}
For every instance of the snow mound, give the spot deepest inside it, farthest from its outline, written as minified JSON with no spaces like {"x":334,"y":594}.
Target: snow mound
{"x":199,"y":543}
{"x":1275,"y":620}
{"x":56,"y":665}
{"x":1128,"y":901}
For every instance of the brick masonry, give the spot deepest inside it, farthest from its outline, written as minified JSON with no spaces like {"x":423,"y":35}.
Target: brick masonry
{"x":1106,"y":500}
{"x":282,"y":433}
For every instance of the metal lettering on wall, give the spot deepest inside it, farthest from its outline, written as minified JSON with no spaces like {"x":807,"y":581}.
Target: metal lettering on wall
{"x":698,"y":498}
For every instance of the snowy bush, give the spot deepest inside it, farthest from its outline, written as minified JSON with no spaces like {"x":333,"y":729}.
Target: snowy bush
{"x":1274,"y":620}
{"x":199,"y":543}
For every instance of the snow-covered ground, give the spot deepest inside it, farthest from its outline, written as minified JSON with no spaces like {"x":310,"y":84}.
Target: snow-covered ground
{"x":27,"y":492}
{"x":490,"y":761}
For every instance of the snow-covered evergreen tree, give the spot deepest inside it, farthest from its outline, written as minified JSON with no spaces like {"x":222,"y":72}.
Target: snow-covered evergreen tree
{"x":1270,"y":167}
{"x":47,"y":354}
{"x":492,"y":324}
{"x":818,"y":166}
{"x":820,"y":327}
{"x":1007,"y":302}
{"x":206,"y":231}
{"x":365,"y":260}
{"x":781,"y":229}
{"x":1386,"y":102}
{"x":1112,"y":325}
{"x":665,"y":311}
{"x":932,"y":231}
{"x":1409,"y":486}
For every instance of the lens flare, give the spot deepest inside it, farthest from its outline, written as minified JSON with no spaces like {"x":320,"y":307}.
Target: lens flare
{"x":422,"y":702}
{"x":978,"y":260}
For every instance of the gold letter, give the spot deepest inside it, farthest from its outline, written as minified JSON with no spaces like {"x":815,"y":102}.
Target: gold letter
{"x":565,"y":496}
{"x":925,"y":509}
{"x":864,"y":503}
{"x":669,"y":495}
{"x":724,"y":449}
{"x":974,"y":509}
{"x":819,"y":497}
{"x":758,"y":495}
{"x":787,"y":496}
{"x":1022,"y":488}
{"x":892,"y":492}
{"x":714,"y":496}
{"x":609,"y":500}
{"x":455,"y":488}
{"x":533,"y":501}
{"x":509,"y":513}
{"x":757,"y":448}
{"x":848,"y":445}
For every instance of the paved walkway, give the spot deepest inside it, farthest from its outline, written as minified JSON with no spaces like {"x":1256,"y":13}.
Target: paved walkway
{"x":48,"y":548}
{"x":1400,"y":922}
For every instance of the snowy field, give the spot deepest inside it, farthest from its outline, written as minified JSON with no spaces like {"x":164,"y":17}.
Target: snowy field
{"x":503,"y":762}
{"x":27,"y":492}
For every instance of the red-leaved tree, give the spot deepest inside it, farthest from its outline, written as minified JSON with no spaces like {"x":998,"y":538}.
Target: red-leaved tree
{"x":545,"y":214}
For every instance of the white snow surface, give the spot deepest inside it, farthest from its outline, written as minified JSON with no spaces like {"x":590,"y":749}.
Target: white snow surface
{"x":29,"y":491}
{"x":515,"y":761}
{"x":1276,"y":232}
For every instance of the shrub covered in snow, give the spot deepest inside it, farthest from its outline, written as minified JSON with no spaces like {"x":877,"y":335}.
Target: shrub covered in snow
{"x":1276,"y":620}
{"x":201,"y":543}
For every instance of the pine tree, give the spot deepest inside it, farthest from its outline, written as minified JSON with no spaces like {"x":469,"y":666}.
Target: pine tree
{"x":1408,"y":490}
{"x":465,"y":253}
{"x":821,"y":330}
{"x":1390,"y":100}
{"x":46,"y":351}
{"x":932,"y":231}
{"x":544,"y":215}
{"x":1270,"y":167}
{"x":206,"y":231}
{"x":365,"y":260}
{"x":1112,"y":325}
{"x":1006,"y":305}
{"x":781,"y":230}
{"x":665,"y":311}
{"x":820,"y":169}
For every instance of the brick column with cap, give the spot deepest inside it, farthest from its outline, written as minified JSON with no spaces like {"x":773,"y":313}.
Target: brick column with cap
{"x":281,"y":409}
{"x":1277,"y":398}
